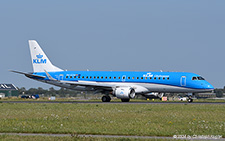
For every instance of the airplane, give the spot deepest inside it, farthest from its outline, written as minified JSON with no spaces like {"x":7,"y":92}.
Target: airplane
{"x":124,"y":85}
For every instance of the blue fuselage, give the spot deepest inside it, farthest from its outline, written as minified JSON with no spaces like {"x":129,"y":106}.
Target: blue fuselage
{"x":153,"y":81}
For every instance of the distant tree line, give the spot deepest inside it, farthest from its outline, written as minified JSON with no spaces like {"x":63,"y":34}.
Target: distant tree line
{"x":62,"y":92}
{"x":219,"y":92}
{"x":50,"y":92}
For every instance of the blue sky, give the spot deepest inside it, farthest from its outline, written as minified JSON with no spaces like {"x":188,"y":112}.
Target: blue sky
{"x":118,"y":35}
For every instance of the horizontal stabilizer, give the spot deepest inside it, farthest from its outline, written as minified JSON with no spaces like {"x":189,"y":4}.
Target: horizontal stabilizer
{"x":28,"y":74}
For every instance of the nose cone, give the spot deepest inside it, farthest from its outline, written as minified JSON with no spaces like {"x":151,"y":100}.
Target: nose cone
{"x":208,"y":86}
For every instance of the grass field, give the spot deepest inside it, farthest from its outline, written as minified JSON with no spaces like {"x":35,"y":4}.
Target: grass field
{"x":114,"y":119}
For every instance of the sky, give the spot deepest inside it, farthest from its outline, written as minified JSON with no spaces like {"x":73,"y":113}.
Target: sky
{"x":114,"y":35}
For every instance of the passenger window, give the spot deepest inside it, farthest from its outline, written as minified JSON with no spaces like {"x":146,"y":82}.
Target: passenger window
{"x":70,"y":76}
{"x":118,"y":77}
{"x":141,"y":77}
{"x":150,"y":78}
{"x":74,"y":76}
{"x":94,"y":77}
{"x":102,"y":77}
{"x":98,"y":77}
{"x":168,"y":78}
{"x":137,"y":77}
{"x":123,"y":77}
{"x":79,"y":77}
{"x":110,"y":77}
{"x":159,"y":78}
{"x":146,"y":78}
{"x":114,"y":77}
{"x":132,"y":77}
{"x":66,"y":76}
{"x":82,"y":76}
{"x":154,"y":77}
{"x":90,"y":77}
{"x":163,"y":78}
{"x":87,"y":77}
{"x":105,"y":77}
{"x":128,"y":77}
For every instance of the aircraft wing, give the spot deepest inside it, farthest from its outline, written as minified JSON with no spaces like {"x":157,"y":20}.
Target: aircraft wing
{"x":103,"y":86}
{"x":92,"y":84}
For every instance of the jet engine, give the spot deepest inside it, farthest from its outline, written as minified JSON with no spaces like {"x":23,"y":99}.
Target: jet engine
{"x":124,"y":92}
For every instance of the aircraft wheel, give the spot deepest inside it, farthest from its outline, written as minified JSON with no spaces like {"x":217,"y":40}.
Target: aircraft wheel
{"x":106,"y":98}
{"x":190,"y":100}
{"x":125,"y":100}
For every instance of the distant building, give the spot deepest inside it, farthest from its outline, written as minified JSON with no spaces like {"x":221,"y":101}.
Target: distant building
{"x":8,"y":90}
{"x":2,"y":95}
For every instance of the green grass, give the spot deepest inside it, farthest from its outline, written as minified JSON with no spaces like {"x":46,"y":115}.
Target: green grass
{"x":114,"y":119}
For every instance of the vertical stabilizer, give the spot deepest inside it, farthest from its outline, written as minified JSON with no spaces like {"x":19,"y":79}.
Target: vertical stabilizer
{"x":40,"y":61}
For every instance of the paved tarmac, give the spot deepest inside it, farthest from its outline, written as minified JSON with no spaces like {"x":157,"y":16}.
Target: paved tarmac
{"x":112,"y":102}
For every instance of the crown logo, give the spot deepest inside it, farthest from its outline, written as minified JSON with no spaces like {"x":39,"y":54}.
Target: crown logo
{"x":39,"y":56}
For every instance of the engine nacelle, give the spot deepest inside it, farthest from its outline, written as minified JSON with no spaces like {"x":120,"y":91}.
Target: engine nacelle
{"x":124,"y":93}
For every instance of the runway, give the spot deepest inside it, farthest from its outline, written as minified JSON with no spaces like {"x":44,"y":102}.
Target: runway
{"x":116,"y":102}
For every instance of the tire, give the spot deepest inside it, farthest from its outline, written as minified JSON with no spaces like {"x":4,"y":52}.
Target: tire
{"x":125,"y":100}
{"x":106,"y":98}
{"x":190,"y":100}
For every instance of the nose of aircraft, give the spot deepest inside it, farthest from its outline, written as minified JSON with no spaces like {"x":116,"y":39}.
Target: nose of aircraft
{"x":208,"y":86}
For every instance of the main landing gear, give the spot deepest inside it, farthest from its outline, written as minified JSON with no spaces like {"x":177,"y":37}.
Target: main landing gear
{"x":106,"y":98}
{"x":125,"y":100}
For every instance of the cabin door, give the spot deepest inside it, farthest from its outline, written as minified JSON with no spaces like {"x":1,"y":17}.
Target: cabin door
{"x":183,"y":81}
{"x":61,"y":77}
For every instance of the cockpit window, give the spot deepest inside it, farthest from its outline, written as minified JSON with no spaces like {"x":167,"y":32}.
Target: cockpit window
{"x":200,"y":78}
{"x":194,"y":78}
{"x":197,"y":78}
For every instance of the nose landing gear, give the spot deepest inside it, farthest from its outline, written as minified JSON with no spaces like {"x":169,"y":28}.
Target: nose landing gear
{"x":190,"y":100}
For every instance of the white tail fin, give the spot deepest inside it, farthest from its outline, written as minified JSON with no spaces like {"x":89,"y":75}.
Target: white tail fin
{"x":40,"y":61}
